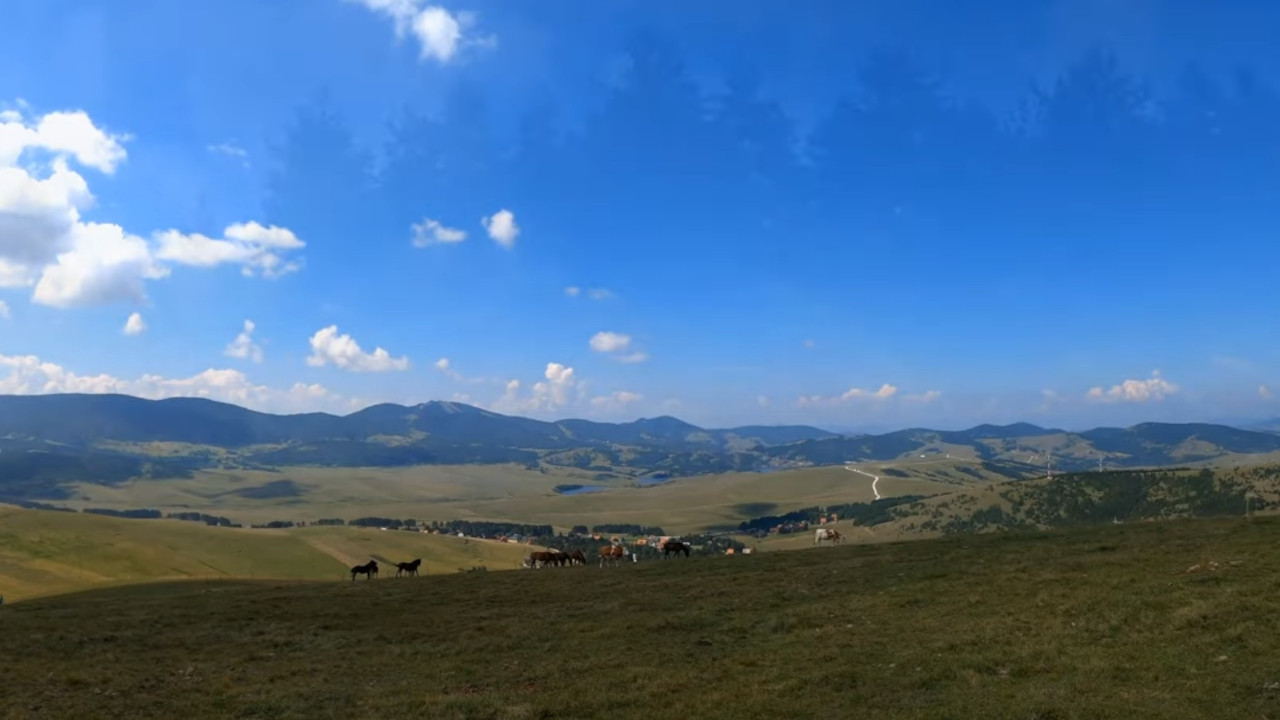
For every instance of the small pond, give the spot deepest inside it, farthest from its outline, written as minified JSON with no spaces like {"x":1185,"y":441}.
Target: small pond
{"x":578,"y":489}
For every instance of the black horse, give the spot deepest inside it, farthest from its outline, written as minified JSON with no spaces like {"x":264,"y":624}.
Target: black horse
{"x":369,"y":569}
{"x":675,"y":546}
{"x":409,"y":568}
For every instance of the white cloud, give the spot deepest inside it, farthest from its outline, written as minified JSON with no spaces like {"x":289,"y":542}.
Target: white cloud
{"x":440,"y":34}
{"x":763,"y":400}
{"x":135,"y":325}
{"x":502,"y":227}
{"x":29,"y":375}
{"x":343,"y":352}
{"x":559,"y":387}
{"x":927,"y":396}
{"x":45,"y":244}
{"x":885,"y":392}
{"x":1152,"y":389}
{"x":810,"y":344}
{"x":616,"y":400}
{"x":430,"y":232}
{"x":616,"y":345}
{"x":255,"y":248}
{"x":243,"y":347}
{"x":104,"y":266}
{"x":573,"y":291}
{"x":1264,"y":392}
{"x":4,"y":310}
{"x":608,"y":342}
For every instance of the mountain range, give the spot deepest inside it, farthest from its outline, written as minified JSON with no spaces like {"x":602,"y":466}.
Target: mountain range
{"x":47,"y":441}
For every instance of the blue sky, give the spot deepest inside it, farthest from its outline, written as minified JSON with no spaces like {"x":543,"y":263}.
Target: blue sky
{"x":860,"y":215}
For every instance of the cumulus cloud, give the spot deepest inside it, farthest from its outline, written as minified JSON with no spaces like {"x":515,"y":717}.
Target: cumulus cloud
{"x":559,"y":387}
{"x":135,"y":325}
{"x":45,"y":244}
{"x":607,"y":342}
{"x":440,"y":33}
{"x":616,"y":346}
{"x":29,"y":375}
{"x":343,"y":352}
{"x":573,"y":291}
{"x":257,"y":249}
{"x":4,"y":311}
{"x":243,"y":347}
{"x":1153,"y":389}
{"x":431,"y":232}
{"x":502,"y":227}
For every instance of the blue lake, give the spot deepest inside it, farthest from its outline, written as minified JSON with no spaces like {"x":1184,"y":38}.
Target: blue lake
{"x":647,"y":481}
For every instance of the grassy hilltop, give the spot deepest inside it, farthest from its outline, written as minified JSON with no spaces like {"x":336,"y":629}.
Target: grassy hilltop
{"x":1173,"y":619}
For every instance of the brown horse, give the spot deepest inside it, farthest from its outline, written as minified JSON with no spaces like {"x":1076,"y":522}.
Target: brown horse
{"x":611,"y":554}
{"x":674,"y":546}
{"x":369,"y":570}
{"x":542,"y":559}
{"x":577,"y":558}
{"x":409,"y":568}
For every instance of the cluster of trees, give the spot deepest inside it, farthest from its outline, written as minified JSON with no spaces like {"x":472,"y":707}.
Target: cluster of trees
{"x":875,"y":512}
{"x":217,"y":520}
{"x":627,"y":529}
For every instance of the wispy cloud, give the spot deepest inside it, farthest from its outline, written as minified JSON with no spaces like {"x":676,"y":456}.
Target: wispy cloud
{"x":230,"y":150}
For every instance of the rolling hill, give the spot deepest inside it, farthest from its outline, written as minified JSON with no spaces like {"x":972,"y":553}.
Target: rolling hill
{"x":49,"y":442}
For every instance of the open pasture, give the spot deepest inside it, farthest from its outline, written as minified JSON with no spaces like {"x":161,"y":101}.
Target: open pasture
{"x":499,"y":493}
{"x":1175,"y":620}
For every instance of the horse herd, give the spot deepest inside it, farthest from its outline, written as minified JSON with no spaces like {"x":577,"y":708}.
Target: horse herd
{"x":370,"y":569}
{"x":611,"y":554}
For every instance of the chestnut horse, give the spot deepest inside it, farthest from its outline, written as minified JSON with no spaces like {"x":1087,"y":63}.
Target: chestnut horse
{"x":612,"y":554}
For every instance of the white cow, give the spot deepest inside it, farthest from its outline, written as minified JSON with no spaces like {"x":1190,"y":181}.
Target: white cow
{"x":827,"y":534}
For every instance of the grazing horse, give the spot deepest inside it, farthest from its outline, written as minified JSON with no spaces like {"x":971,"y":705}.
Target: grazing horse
{"x":409,"y":568}
{"x":542,"y":559}
{"x":612,"y":554}
{"x":577,"y":558}
{"x":674,"y":546}
{"x":561,"y":558}
{"x":369,"y":569}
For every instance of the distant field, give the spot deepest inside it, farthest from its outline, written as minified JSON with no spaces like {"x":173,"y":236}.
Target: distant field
{"x":1175,"y":620}
{"x":510,"y":493}
{"x":43,"y":553}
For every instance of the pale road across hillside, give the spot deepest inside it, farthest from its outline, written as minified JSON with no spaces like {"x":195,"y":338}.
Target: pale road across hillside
{"x":875,"y":479}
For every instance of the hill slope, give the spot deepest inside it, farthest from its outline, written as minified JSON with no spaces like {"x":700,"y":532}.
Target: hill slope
{"x":43,"y":553}
{"x":1146,"y":617}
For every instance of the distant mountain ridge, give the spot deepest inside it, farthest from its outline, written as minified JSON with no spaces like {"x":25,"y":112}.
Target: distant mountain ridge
{"x":78,"y":419}
{"x":47,"y":441}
